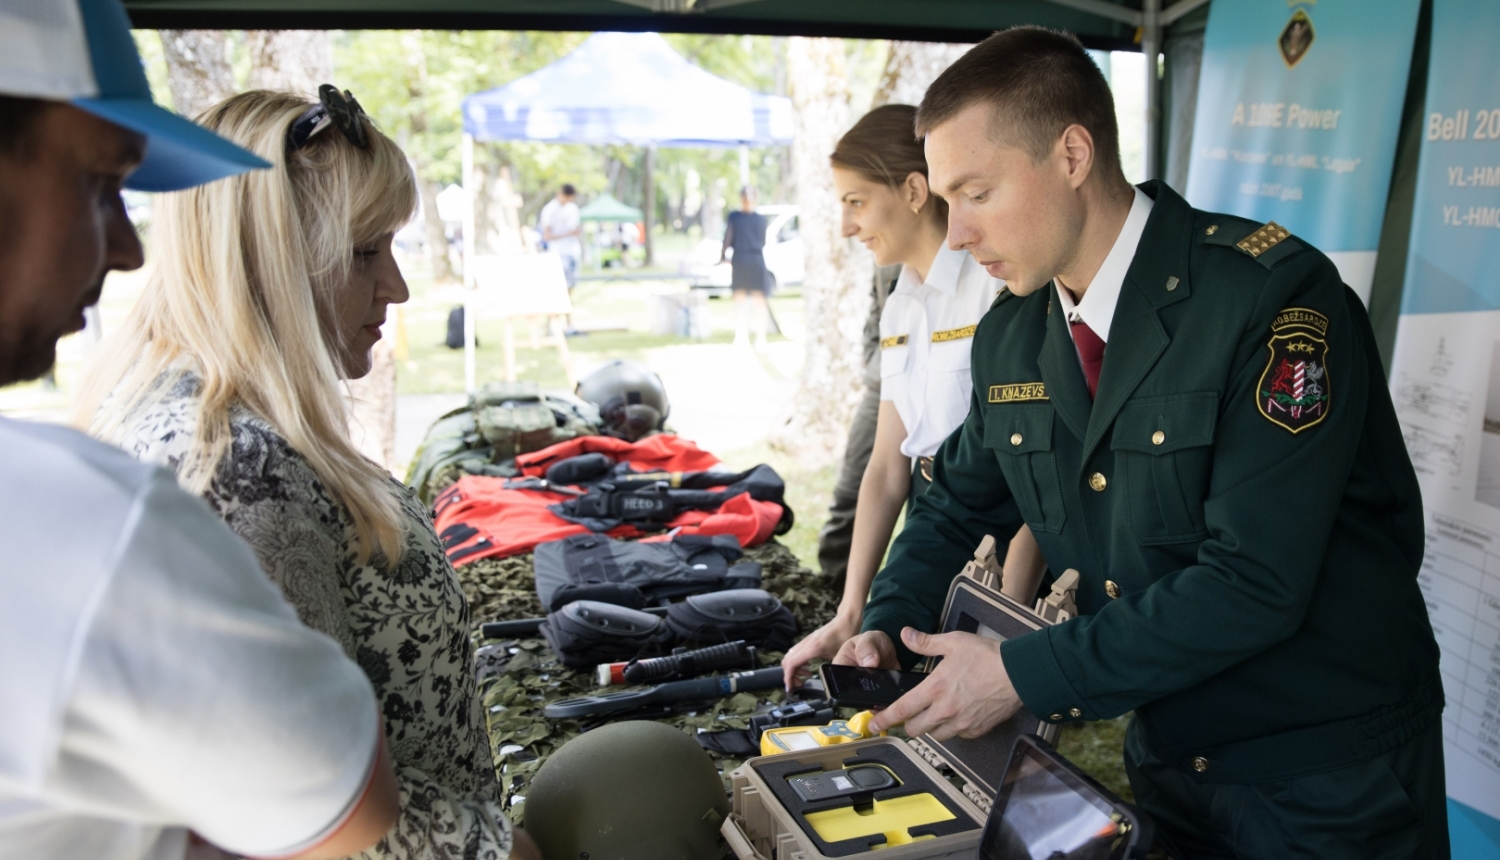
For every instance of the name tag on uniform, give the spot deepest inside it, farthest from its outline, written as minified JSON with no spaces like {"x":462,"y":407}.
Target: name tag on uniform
{"x":954,"y":334}
{"x":888,"y":342}
{"x":1018,"y":392}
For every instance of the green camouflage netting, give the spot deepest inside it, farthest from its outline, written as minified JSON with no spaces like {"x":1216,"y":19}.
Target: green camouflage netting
{"x":522,"y":739}
{"x":502,"y":589}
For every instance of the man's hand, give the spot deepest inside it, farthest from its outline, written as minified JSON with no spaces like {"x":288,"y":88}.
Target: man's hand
{"x":872,"y":650}
{"x":968,"y":693}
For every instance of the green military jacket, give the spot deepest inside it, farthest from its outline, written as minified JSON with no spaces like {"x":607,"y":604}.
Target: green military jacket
{"x":1238,"y":500}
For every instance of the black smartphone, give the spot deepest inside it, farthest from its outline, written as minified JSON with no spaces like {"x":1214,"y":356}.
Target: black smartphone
{"x":853,"y":686}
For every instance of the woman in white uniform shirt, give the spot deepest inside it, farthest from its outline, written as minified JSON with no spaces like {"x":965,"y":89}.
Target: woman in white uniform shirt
{"x":926,"y":331}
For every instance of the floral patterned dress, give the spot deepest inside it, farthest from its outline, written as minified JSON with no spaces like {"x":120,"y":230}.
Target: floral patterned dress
{"x":407,"y":626}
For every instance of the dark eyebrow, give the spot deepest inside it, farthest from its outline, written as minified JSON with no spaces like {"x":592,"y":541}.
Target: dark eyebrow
{"x":961,"y":182}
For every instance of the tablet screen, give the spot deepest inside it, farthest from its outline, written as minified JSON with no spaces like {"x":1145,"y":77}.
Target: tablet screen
{"x":1046,"y":813}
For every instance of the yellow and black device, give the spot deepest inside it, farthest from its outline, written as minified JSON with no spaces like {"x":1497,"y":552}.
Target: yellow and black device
{"x":919,"y":813}
{"x":801,"y":738}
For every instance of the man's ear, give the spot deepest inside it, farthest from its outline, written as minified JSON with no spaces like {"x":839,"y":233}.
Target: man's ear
{"x":1076,"y":148}
{"x":916,"y":191}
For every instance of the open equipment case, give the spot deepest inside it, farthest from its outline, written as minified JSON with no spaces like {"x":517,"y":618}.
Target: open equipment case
{"x":774,"y":814}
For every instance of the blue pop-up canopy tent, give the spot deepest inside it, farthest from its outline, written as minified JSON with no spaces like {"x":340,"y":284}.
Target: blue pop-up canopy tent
{"x":620,"y":88}
{"x":628,"y":88}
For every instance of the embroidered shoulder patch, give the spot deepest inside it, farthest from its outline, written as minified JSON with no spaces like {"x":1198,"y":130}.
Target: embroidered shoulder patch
{"x":1294,"y":390}
{"x":1018,"y":392}
{"x":888,"y":342}
{"x":954,"y":334}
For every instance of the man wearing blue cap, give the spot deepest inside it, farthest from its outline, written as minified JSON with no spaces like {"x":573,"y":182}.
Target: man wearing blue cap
{"x":158,"y":697}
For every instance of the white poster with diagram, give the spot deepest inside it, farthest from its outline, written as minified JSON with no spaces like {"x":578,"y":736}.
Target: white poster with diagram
{"x":1445,"y":380}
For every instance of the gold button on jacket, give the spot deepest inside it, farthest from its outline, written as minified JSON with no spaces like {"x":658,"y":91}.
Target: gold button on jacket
{"x":1097,"y":481}
{"x":1111,"y":589}
{"x":1200,"y":764}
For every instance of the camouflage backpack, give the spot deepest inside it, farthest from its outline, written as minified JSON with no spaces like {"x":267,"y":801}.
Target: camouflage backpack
{"x":501,"y":420}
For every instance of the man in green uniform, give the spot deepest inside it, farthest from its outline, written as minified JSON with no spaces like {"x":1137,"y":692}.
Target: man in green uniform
{"x":1188,"y":409}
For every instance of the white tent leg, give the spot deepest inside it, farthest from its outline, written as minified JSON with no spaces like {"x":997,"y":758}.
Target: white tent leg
{"x":744,"y":165}
{"x":469,"y":197}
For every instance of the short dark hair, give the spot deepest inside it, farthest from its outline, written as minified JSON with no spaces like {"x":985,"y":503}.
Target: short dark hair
{"x":1039,"y":82}
{"x":17,"y":118}
{"x":568,"y":190}
{"x":882,"y":148}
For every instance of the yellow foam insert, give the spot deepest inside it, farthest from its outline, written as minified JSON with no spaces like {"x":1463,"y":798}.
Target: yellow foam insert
{"x":893,"y":817}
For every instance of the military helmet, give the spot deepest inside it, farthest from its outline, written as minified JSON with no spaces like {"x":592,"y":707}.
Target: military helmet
{"x":631,"y":399}
{"x":628,"y":791}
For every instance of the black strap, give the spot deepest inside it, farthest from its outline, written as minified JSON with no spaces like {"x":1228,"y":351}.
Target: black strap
{"x":475,"y":548}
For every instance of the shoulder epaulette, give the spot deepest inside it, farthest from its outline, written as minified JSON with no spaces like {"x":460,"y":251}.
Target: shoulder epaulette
{"x":1268,"y":244}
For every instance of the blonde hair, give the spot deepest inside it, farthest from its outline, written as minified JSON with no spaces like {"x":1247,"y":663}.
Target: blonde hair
{"x":244,"y":286}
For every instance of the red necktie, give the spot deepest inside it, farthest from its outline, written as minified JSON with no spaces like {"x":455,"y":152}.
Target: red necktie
{"x":1090,"y":353}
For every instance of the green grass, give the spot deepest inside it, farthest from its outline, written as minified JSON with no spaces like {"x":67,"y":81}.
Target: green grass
{"x":614,"y":313}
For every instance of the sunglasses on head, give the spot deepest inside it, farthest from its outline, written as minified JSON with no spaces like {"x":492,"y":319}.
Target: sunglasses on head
{"x":334,"y":108}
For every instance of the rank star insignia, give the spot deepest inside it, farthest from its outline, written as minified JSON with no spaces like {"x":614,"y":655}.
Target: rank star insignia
{"x":1293,"y":391}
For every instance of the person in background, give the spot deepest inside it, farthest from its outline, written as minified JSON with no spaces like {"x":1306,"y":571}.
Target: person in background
{"x":926,"y":331}
{"x":750,"y":281}
{"x":158,"y":697}
{"x":271,"y":291}
{"x":561,"y":227}
{"x":837,"y":534}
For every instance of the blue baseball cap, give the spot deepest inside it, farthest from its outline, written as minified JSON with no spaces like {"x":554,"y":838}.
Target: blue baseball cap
{"x":81,"y":52}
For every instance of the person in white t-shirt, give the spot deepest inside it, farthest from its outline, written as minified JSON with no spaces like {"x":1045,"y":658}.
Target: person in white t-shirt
{"x":562,"y":224}
{"x":158,"y":698}
{"x":926,"y":330}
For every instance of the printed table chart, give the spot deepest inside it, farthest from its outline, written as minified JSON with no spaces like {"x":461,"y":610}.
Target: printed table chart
{"x":1461,"y":581}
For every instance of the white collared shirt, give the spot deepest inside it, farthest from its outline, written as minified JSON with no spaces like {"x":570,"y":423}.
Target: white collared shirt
{"x":926,"y":332}
{"x":1097,"y":308}
{"x":155,"y":680}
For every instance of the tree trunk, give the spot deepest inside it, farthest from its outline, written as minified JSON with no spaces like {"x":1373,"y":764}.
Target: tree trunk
{"x":648,"y":176}
{"x":372,"y":406}
{"x":434,"y":231}
{"x":910,"y":69}
{"x":836,"y":289}
{"x":197,"y":69}
{"x":294,"y":61}
{"x":783,"y":154}
{"x":416,"y":93}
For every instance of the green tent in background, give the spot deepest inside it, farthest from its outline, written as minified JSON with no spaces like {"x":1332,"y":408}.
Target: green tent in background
{"x":606,"y":208}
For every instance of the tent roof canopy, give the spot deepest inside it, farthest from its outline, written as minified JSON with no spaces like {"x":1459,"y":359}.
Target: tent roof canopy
{"x":606,"y":208}
{"x":1104,"y":24}
{"x":628,"y":88}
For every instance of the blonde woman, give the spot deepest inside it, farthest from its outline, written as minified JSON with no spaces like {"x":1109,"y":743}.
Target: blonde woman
{"x":270,"y":289}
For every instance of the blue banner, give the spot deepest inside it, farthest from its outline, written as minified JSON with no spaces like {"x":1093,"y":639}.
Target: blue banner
{"x":1299,"y":106}
{"x":1445,"y":379}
